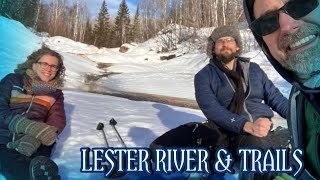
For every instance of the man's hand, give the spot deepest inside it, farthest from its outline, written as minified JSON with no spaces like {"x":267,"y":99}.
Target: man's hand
{"x":259,"y":128}
{"x":262,"y":127}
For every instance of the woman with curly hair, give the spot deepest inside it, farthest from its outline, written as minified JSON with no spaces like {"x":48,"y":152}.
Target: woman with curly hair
{"x":32,"y":116}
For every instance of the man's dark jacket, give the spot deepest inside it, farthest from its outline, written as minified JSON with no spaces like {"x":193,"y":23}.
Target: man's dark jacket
{"x":214,"y":92}
{"x":298,"y":96}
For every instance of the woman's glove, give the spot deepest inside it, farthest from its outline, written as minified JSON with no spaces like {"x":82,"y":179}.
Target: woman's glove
{"x":27,"y":145}
{"x":45,"y":133}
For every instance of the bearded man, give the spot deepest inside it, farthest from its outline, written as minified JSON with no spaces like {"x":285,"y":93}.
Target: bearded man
{"x":235,"y":94}
{"x":288,"y":34}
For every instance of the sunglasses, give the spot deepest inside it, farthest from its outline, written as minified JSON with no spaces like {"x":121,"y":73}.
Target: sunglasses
{"x":269,"y":23}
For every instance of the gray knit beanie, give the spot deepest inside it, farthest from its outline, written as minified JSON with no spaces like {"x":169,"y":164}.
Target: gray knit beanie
{"x":223,"y":31}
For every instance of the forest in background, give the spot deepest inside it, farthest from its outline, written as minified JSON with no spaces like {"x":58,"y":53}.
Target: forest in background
{"x":72,"y":20}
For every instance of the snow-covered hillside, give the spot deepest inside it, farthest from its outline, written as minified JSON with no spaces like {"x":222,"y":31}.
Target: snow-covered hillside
{"x":16,"y":43}
{"x":138,"y":70}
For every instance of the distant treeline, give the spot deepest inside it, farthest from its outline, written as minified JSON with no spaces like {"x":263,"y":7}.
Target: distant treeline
{"x":59,"y":18}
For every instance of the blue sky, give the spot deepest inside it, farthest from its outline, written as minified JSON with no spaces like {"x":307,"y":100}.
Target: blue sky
{"x":112,"y":5}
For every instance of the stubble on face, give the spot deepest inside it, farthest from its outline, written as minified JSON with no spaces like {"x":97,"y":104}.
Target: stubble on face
{"x":226,"y":57}
{"x":304,"y":62}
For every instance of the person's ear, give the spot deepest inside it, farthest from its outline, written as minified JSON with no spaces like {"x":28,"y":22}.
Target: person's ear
{"x":34,"y":66}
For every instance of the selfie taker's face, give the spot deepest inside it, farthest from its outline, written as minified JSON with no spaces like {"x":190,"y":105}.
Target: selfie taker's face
{"x":296,"y":43}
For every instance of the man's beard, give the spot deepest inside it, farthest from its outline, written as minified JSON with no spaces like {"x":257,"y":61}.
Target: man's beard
{"x":226,"y":58}
{"x":308,"y":61}
{"x":306,"y":66}
{"x":305,"y":63}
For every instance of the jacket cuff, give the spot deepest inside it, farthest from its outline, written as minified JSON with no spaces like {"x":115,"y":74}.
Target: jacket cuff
{"x":242,"y":125}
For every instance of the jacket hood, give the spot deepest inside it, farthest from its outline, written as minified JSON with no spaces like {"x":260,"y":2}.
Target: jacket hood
{"x":288,"y":75}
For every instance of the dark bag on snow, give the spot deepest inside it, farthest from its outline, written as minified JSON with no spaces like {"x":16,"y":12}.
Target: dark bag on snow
{"x":193,"y":134}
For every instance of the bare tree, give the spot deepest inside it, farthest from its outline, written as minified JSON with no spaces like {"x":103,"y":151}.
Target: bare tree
{"x":57,"y":17}
{"x":76,"y":21}
{"x":37,"y":15}
{"x":164,"y":11}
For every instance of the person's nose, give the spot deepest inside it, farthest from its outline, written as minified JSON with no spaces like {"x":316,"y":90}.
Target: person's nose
{"x":224,"y":43}
{"x":287,"y":24}
{"x":48,"y":69}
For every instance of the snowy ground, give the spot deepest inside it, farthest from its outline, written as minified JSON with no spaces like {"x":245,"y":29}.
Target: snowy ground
{"x":138,"y":70}
{"x":139,"y":123}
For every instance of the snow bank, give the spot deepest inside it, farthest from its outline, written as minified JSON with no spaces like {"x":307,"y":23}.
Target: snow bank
{"x":16,"y":43}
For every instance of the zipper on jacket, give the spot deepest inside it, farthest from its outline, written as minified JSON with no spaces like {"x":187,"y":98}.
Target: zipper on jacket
{"x":245,"y":106}
{"x":317,"y":147}
{"x":249,"y":90}
{"x":309,"y":175}
{"x":14,"y":134}
{"x":30,"y":104}
{"x":293,"y":117}
{"x":229,"y":82}
{"x":246,"y":110}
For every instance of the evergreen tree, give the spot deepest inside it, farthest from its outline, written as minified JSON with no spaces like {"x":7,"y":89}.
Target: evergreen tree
{"x":102,"y":27}
{"x":122,"y":24}
{"x":135,"y":32}
{"x":23,"y":11}
{"x":43,"y":21}
{"x":88,"y":36}
{"x":113,"y":39}
{"x":11,"y":9}
{"x":30,"y":12}
{"x":130,"y":34}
